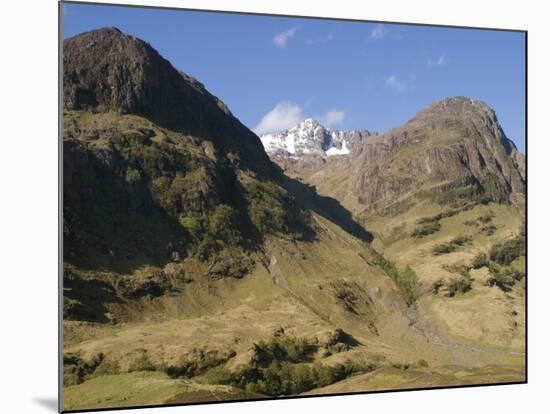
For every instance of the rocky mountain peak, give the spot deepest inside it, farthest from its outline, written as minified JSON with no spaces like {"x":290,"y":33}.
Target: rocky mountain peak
{"x":311,"y":138}
{"x":455,"y":147}
{"x":106,"y":70}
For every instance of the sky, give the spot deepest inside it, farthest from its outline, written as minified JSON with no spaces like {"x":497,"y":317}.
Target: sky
{"x":273,"y":72}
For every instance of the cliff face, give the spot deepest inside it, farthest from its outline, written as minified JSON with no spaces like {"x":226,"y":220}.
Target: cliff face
{"x":154,"y":165}
{"x":454,"y":148}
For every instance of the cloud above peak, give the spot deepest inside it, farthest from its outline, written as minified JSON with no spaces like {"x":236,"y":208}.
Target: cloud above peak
{"x":283,"y":116}
{"x":333,"y":117}
{"x":286,"y":115}
{"x":281,"y":39}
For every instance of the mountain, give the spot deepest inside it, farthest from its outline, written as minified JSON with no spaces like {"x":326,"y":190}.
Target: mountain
{"x":152,"y":159}
{"x":453,"y":152}
{"x":444,"y":195}
{"x":454,"y":148}
{"x":311,"y":138}
{"x":195,"y":266}
{"x":134,"y":79}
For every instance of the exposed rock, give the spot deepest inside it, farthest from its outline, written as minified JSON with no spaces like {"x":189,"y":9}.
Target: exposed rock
{"x":311,"y":139}
{"x":337,"y":341}
{"x":456,"y":141}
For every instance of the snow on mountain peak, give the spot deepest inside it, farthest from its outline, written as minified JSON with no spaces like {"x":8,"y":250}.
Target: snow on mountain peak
{"x":311,"y":137}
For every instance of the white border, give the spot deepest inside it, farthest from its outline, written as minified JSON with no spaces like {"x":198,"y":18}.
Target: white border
{"x":28,"y":226}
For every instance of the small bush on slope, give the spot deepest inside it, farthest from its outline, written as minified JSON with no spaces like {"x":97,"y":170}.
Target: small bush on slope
{"x":407,"y":280}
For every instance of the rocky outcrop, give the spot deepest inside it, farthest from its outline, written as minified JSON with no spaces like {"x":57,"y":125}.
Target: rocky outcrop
{"x":455,"y":148}
{"x":310,"y":139}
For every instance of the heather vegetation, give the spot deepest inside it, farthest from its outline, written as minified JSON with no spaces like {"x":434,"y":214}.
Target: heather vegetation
{"x":197,"y":362}
{"x":506,"y":252}
{"x":426,"y":229}
{"x":283,"y":366}
{"x":159,"y":198}
{"x":454,"y":244}
{"x":484,"y":223}
{"x":406,"y":280}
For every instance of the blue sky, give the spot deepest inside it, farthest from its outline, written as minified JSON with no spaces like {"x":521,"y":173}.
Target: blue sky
{"x":274,"y":71}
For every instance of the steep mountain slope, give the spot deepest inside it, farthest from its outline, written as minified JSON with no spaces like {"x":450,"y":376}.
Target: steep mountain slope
{"x":154,"y":165}
{"x":443,"y":193}
{"x":311,"y":138}
{"x":454,"y":152}
{"x":455,"y":146}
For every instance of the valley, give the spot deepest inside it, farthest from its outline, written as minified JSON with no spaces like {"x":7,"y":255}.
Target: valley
{"x":204,"y":263}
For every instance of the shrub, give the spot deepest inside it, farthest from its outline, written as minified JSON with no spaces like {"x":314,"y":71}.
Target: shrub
{"x":506,"y":252}
{"x":438,"y":284}
{"x":193,"y":224}
{"x":459,"y":285}
{"x":488,"y":230}
{"x":224,"y":225}
{"x":480,"y":261}
{"x":229,"y":262}
{"x":486,"y":218}
{"x":76,"y":370}
{"x":422,"y":363}
{"x":504,"y":277}
{"x":426,"y":229}
{"x":271,"y":209}
{"x":451,"y":246}
{"x":347,"y":297}
{"x":198,"y":362}
{"x":283,"y":349}
{"x":443,"y":248}
{"x":461,"y":269}
{"x":132,"y":176}
{"x":141,"y":363}
{"x":437,"y":217}
{"x":461,"y":240}
{"x":407,"y":281}
{"x":409,"y":285}
{"x":285,"y":378}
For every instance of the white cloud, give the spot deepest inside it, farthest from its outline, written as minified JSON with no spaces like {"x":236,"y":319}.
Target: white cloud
{"x":440,"y":61}
{"x":396,"y":84}
{"x":333,"y":117}
{"x":285,"y":115}
{"x":378,"y":32}
{"x":281,"y":39}
{"x":322,"y":39}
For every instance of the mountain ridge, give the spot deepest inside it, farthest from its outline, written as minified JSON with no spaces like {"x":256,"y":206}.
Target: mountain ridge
{"x":311,"y":138}
{"x":454,"y":146}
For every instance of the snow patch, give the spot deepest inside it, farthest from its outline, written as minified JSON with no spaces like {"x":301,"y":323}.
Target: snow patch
{"x":338,"y":151}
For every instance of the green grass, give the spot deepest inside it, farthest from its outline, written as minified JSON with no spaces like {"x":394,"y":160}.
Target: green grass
{"x":131,"y":389}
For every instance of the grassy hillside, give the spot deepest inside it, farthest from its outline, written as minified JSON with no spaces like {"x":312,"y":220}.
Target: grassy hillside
{"x":196,"y":270}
